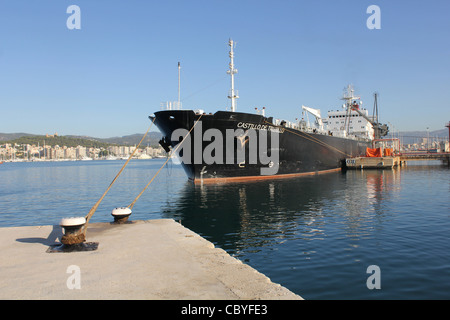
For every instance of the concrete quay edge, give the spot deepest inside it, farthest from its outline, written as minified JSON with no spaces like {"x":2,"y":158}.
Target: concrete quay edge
{"x":152,"y":259}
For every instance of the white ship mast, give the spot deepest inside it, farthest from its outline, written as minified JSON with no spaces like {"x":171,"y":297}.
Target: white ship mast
{"x":179,"y":101}
{"x":233,"y":96}
{"x":348,"y":96}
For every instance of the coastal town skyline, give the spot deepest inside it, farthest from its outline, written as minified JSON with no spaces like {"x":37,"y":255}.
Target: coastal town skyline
{"x":28,"y":152}
{"x":28,"y":147}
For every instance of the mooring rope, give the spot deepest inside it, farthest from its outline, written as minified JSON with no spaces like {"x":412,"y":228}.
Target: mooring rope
{"x":94,"y":208}
{"x":168,"y":158}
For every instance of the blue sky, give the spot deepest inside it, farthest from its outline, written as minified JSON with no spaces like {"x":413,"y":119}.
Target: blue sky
{"x":105,"y":79}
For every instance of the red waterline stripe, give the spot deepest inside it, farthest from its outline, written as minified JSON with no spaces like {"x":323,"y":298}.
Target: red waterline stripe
{"x":262,"y":177}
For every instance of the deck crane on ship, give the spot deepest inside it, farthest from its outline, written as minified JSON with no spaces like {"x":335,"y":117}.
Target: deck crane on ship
{"x":380,"y":130}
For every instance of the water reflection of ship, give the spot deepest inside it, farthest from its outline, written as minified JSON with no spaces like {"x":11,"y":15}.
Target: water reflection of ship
{"x":382,"y":183}
{"x":369,"y":197}
{"x":237,"y":216}
{"x":244,"y":217}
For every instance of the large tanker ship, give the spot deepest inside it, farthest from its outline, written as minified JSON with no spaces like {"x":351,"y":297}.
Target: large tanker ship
{"x":235,"y":146}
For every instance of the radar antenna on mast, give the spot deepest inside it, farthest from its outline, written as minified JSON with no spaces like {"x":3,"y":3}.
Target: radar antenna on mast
{"x":348,"y":96}
{"x":233,"y":95}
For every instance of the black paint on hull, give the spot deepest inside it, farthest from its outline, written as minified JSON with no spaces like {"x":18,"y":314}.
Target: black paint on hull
{"x":298,"y":153}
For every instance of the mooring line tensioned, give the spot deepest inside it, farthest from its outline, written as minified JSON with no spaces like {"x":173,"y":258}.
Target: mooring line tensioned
{"x":168,"y":158}
{"x":94,"y":208}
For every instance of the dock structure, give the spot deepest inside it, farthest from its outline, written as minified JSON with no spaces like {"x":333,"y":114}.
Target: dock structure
{"x":420,"y":156}
{"x":372,"y":162}
{"x":394,"y":161}
{"x":155,"y":259}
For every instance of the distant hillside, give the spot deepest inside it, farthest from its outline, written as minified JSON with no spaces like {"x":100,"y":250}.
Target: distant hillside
{"x":58,"y":140}
{"x":414,"y":136}
{"x":151,"y":139}
{"x":12,"y":136}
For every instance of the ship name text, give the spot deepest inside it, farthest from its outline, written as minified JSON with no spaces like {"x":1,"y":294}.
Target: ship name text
{"x":247,"y":125}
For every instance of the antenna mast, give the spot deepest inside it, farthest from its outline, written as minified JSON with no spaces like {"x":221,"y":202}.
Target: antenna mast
{"x":375,"y":107}
{"x":348,"y":97}
{"x":231,"y":72}
{"x":179,"y":68}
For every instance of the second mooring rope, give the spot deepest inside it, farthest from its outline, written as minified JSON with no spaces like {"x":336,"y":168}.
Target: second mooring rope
{"x":168,"y":158}
{"x":94,"y":208}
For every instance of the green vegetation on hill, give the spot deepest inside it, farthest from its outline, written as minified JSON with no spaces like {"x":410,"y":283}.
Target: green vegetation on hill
{"x":152,"y":140}
{"x":60,"y":141}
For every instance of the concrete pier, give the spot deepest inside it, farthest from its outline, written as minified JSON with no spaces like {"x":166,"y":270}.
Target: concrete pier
{"x":372,"y":162}
{"x":155,"y":259}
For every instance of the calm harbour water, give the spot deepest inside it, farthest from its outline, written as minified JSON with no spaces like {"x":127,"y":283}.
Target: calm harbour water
{"x":315,"y":235}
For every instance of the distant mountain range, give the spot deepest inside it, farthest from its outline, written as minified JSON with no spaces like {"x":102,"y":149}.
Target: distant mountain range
{"x":153,"y":138}
{"x":414,"y":136}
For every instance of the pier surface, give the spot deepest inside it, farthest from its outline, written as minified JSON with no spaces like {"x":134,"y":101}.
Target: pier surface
{"x":372,"y":162}
{"x":155,"y":259}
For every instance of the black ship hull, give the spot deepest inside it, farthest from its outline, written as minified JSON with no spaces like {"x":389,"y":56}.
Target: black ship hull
{"x":234,"y":146}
